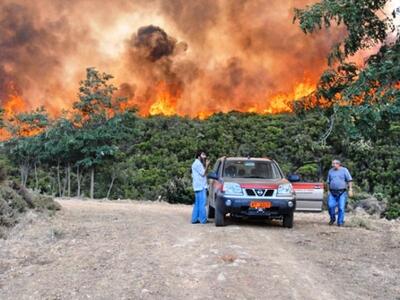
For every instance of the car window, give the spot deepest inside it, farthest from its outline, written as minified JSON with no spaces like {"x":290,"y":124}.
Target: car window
{"x":216,"y":167}
{"x":251,"y":169}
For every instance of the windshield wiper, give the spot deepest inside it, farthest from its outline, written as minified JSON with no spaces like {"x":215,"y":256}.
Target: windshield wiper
{"x":255,"y":177}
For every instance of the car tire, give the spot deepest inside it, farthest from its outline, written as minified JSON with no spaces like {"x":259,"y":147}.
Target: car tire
{"x":211,"y":212}
{"x":219,"y":217}
{"x":288,"y":220}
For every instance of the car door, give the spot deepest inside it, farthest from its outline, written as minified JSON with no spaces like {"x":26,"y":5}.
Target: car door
{"x":309,"y":195}
{"x":213,"y":184}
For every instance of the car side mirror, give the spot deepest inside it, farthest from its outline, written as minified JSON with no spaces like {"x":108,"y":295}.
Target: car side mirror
{"x":293,"y":178}
{"x":212,"y":175}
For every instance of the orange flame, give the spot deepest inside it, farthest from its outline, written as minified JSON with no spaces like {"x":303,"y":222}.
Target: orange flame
{"x":282,"y":102}
{"x":165,"y":103}
{"x":14,"y":103}
{"x":12,"y":106}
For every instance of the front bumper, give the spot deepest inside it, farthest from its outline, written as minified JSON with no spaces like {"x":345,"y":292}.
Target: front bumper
{"x":241,"y":206}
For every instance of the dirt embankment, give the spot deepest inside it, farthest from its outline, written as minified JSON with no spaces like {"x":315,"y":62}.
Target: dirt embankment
{"x":143,"y":250}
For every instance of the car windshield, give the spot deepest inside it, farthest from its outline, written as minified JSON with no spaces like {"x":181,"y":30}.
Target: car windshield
{"x":251,"y":169}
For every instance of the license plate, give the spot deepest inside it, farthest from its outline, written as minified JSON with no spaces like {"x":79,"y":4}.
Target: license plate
{"x":258,"y":204}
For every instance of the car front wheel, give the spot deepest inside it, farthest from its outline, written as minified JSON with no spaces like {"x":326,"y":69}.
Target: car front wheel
{"x":219,"y":217}
{"x":288,"y":220}
{"x":211,"y":211}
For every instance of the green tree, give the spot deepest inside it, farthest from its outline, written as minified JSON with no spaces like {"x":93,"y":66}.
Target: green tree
{"x":62,"y":149}
{"x":95,"y":113}
{"x":372,"y":94}
{"x":24,"y":146}
{"x":365,"y":28}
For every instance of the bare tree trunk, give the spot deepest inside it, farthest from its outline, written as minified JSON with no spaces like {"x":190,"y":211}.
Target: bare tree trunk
{"x":24,"y":169}
{"x":26,"y":174}
{"x":58,"y":179}
{"x":92,"y":182}
{"x":21,"y":169}
{"x":36,"y":178}
{"x":66,"y":184}
{"x":69,"y":180}
{"x":111,"y":185}
{"x":78,"y":179}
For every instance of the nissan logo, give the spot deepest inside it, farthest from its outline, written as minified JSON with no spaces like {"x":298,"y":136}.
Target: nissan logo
{"x":260,"y":192}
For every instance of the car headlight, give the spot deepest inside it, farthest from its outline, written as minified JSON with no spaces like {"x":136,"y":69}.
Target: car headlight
{"x":232,"y":188}
{"x":285,"y":189}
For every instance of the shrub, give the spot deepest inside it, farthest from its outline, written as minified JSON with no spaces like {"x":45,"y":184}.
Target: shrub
{"x":178,"y":190}
{"x":43,"y":203}
{"x":393,"y":211}
{"x":360,"y":222}
{"x":11,"y":203}
{"x":15,"y":200}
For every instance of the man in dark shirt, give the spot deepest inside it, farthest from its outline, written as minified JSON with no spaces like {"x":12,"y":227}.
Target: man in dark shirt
{"x":339,"y":180}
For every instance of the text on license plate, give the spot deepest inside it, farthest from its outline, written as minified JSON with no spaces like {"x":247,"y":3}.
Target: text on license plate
{"x":258,"y":204}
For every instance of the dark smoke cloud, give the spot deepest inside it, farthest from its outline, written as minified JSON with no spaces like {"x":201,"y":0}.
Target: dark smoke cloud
{"x":31,"y":54}
{"x":152,"y":54}
{"x":20,"y":42}
{"x":154,"y":42}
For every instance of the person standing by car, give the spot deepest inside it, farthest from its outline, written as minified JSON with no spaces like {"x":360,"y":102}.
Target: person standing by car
{"x":199,"y":177}
{"x":339,"y":181}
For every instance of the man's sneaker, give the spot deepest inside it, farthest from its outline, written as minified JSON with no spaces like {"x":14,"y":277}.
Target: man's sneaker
{"x":331,"y":222}
{"x":340,"y":225}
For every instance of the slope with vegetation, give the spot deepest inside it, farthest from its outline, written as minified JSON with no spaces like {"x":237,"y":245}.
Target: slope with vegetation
{"x":15,"y":200}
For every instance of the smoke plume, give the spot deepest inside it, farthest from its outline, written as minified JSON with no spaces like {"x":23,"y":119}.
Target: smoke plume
{"x":172,"y":57}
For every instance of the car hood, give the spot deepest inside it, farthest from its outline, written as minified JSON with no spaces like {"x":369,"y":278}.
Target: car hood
{"x":257,"y":182}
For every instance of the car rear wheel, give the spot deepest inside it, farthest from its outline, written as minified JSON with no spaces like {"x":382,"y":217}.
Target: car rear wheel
{"x":211,"y":212}
{"x":288,"y":220}
{"x":219,"y":217}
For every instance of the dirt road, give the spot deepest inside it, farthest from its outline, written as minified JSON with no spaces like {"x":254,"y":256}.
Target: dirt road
{"x":143,"y":250}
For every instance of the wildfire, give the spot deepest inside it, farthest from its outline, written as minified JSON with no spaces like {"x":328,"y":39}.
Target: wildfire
{"x":282,"y":102}
{"x":162,"y":106}
{"x":165,"y":103}
{"x":167,"y":57}
{"x":204,"y":115}
{"x":14,"y":105}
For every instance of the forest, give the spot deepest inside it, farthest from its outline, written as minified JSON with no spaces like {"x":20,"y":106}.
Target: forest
{"x":102,"y":148}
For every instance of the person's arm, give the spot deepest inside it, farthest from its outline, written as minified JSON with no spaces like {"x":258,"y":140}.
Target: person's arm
{"x":206,"y":168}
{"x":349,"y":180}
{"x":350,"y":183}
{"x":327,"y":181}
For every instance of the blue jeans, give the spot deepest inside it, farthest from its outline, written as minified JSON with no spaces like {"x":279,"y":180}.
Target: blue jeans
{"x":199,"y":209}
{"x":333,"y":202}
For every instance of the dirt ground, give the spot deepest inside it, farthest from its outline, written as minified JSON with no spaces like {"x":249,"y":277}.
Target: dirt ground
{"x":148,"y":250}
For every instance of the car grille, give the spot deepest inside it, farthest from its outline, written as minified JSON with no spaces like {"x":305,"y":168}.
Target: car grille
{"x":259,"y":192}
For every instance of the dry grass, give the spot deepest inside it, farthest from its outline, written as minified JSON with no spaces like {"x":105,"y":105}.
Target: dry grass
{"x":360,"y":222}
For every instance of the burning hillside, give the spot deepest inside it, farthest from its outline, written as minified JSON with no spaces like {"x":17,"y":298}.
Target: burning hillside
{"x":197,"y":57}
